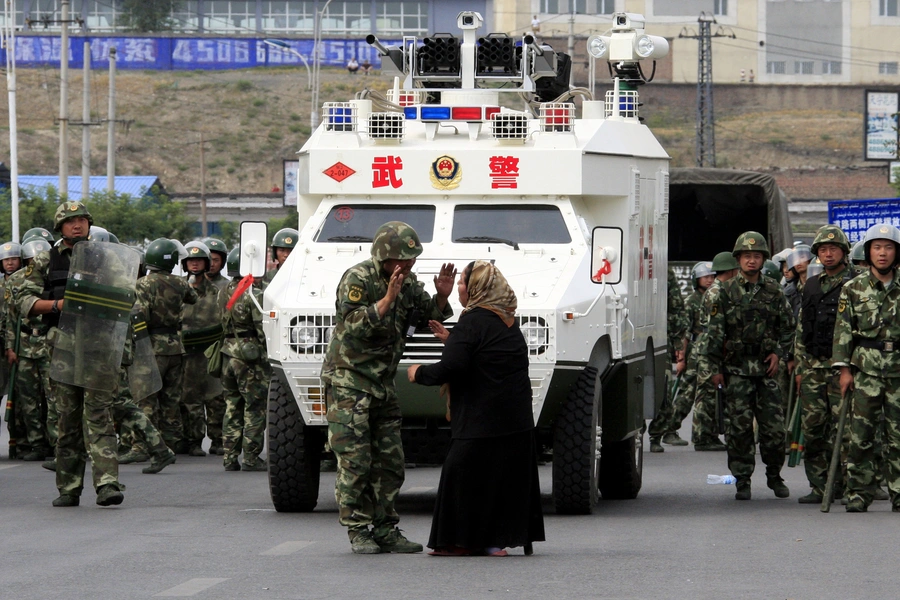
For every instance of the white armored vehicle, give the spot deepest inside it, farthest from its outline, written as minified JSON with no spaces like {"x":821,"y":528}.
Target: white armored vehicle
{"x":573,"y":209}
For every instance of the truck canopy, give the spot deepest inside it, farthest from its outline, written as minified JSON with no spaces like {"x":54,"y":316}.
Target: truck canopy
{"x":710,"y":208}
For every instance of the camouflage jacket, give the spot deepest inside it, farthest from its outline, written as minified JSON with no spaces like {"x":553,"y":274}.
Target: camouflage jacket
{"x":201,"y":325}
{"x":162,"y":297}
{"x":36,"y":277}
{"x":243,"y":323}
{"x":32,"y":331}
{"x":868,"y":314}
{"x":219,"y":280}
{"x":804,"y":360}
{"x":693,"y":316}
{"x":365,"y":348}
{"x":747,"y":322}
{"x":676,"y":323}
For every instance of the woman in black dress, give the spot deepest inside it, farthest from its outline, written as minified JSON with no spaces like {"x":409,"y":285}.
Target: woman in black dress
{"x":489,"y":496}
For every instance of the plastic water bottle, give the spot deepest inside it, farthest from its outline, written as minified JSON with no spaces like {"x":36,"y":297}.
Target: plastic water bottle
{"x":726,"y":479}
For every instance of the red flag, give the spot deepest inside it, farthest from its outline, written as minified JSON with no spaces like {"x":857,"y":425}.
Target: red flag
{"x":245,"y":283}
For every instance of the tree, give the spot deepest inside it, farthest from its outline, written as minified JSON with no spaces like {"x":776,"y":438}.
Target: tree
{"x":148,"y":15}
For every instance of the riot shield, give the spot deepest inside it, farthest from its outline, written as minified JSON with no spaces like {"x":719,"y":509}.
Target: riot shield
{"x":201,"y":327}
{"x":88,"y":346}
{"x":143,"y":373}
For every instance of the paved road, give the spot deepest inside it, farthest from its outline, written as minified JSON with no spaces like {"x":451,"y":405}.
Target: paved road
{"x":196,"y":531}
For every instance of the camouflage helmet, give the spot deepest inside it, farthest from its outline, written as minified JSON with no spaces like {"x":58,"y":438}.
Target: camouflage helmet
{"x":10,"y":250}
{"x":67,"y":210}
{"x":98,"y":234}
{"x":284,"y":238}
{"x":195,"y":250}
{"x":233,"y":262}
{"x":801,"y":253}
{"x":815,"y":268}
{"x":37,"y":232}
{"x":724,"y":261}
{"x":751,"y":241}
{"x":771,"y":269}
{"x":34,"y":246}
{"x":882,"y":231}
{"x":858,"y":252}
{"x":396,"y":240}
{"x":701,"y":269}
{"x":216,"y":245}
{"x":161,"y":254}
{"x":830,"y":234}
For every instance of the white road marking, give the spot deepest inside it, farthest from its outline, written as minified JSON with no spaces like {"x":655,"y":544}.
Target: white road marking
{"x":419,"y":490}
{"x":191,"y":587}
{"x":286,"y":548}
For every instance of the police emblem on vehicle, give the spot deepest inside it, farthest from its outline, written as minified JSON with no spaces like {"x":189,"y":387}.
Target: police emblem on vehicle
{"x":445,"y":173}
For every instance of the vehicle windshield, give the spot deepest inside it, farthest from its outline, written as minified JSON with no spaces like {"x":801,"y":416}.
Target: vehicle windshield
{"x":359,"y":222}
{"x":513,"y":224}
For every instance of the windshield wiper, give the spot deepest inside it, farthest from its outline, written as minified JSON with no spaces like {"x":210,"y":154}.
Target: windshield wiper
{"x":349,"y":238}
{"x":485,"y":239}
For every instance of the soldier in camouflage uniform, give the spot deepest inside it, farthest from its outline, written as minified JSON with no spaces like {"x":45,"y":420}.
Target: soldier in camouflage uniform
{"x":215,"y":404}
{"x":705,"y":426}
{"x":10,"y":262}
{"x":858,"y":258}
{"x":378,"y":301}
{"x":750,"y":331}
{"x":245,"y":375}
{"x":818,"y":380}
{"x":162,"y":297}
{"x":867,"y":350}
{"x":82,"y":411}
{"x":283,"y":243}
{"x":660,"y":428}
{"x":201,"y":327}
{"x":32,"y":384}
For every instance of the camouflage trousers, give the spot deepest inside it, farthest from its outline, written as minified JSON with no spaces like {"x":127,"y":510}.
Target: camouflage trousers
{"x":687,"y":389}
{"x":746,"y":399}
{"x":30,"y":404}
{"x":193,"y":393}
{"x":704,"y":429}
{"x":163,"y":407}
{"x":244,"y":424}
{"x":662,"y":422}
{"x":84,"y":412}
{"x":135,"y":429}
{"x":820,"y":403}
{"x":875,"y":399}
{"x":364,"y":433}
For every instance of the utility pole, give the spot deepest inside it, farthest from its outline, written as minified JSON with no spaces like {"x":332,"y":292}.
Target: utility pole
{"x":86,"y":124}
{"x":705,"y":146}
{"x":203,"y":225}
{"x":64,"y":103}
{"x":111,"y":126}
{"x":9,"y":42}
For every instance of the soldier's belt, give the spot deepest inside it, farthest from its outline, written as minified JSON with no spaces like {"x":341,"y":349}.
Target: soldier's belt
{"x":201,"y":338}
{"x":753,"y":349}
{"x":883,"y":345}
{"x":241,"y":334}
{"x":164,"y":330}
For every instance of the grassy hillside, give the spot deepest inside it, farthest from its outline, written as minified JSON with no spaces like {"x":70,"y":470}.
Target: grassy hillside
{"x":252,"y":119}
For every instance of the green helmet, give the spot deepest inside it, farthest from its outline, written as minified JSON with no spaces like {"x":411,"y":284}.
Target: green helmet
{"x":215,"y":245}
{"x":10,"y":250}
{"x":858,"y":252}
{"x":37,"y":232}
{"x":284,"y":238}
{"x":195,"y":250}
{"x":882,"y":231}
{"x":233,"y":262}
{"x":396,"y":240}
{"x":830,"y":234}
{"x":67,"y":210}
{"x":771,"y":269}
{"x":34,"y":246}
{"x":751,"y":241}
{"x":724,"y":261}
{"x":701,"y":269}
{"x":161,"y":254}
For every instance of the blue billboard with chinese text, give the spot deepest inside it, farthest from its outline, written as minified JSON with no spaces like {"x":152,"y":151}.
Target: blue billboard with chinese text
{"x":856,"y":216}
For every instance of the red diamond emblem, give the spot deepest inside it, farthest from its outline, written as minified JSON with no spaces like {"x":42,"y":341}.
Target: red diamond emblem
{"x":339,"y":171}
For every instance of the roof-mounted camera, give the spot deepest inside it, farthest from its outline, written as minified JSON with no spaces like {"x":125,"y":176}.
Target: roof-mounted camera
{"x":469,"y":20}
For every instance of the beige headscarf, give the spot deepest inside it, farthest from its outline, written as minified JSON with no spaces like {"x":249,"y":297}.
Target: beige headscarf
{"x":489,"y":289}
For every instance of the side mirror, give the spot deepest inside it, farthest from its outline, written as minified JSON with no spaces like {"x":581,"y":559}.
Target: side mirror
{"x":254,"y":242}
{"x":606,"y":244}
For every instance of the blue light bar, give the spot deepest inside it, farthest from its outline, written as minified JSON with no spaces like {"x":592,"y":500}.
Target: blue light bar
{"x":411,"y":113}
{"x":339,"y":115}
{"x":435,"y":113}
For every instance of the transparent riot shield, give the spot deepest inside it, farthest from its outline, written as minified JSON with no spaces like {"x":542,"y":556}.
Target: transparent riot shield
{"x":143,"y":373}
{"x":88,"y":347}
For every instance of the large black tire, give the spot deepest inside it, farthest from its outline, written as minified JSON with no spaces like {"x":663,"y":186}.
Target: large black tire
{"x":295,"y":451}
{"x":575,"y":459}
{"x":621,"y":468}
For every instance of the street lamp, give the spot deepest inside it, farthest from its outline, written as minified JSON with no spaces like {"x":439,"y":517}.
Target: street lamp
{"x":283,"y":45}
{"x":317,"y":39}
